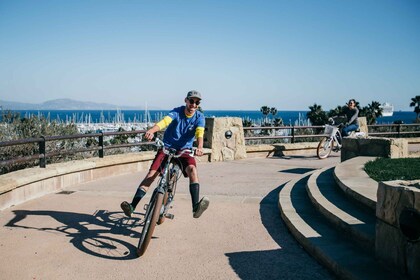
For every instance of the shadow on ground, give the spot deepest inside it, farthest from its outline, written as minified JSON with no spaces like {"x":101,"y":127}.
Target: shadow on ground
{"x":290,"y":261}
{"x":88,"y":233}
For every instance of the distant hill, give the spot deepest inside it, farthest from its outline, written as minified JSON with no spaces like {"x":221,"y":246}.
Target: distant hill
{"x":65,"y":104}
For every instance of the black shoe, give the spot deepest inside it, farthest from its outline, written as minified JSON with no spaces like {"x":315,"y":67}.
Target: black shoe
{"x":127,"y":208}
{"x":201,"y":207}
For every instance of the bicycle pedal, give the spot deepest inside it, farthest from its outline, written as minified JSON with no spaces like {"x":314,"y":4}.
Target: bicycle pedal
{"x":170,"y":216}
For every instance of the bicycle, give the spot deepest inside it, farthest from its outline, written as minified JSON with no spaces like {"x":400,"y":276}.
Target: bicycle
{"x":162,"y":197}
{"x":331,"y":142}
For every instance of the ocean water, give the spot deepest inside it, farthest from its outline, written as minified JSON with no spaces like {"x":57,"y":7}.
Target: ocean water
{"x":118,"y":116}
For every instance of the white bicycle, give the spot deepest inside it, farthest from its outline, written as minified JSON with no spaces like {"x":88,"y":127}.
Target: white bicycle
{"x":331,"y":142}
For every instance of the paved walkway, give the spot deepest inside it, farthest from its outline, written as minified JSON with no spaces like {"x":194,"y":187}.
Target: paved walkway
{"x":82,"y":234}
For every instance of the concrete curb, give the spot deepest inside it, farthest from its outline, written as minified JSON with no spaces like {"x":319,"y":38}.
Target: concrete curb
{"x":354,"y":181}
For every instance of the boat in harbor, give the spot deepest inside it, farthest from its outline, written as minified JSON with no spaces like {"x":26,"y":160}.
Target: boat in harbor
{"x":387,"y":109}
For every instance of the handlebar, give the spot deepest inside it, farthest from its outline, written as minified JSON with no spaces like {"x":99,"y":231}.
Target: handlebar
{"x":159,"y":143}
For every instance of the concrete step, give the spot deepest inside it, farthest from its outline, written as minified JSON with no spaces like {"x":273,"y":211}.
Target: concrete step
{"x":354,"y":181}
{"x":325,"y":243}
{"x":352,"y":218}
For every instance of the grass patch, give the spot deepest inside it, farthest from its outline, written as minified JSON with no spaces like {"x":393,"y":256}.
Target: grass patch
{"x":388,"y":169}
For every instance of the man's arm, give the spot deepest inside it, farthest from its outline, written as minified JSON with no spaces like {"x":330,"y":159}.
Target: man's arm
{"x":158,"y":126}
{"x":199,"y":135}
{"x":199,"y":150}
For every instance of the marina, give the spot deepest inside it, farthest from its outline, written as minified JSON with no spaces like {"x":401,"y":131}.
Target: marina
{"x":112,"y":120}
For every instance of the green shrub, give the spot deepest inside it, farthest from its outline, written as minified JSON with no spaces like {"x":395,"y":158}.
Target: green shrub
{"x":387,"y":169}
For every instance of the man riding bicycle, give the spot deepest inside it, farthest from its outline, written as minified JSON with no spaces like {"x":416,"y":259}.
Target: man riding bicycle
{"x":183,"y":125}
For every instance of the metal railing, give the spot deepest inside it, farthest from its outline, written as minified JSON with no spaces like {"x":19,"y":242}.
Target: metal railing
{"x":294,"y":133}
{"x":43,"y":154}
{"x":392,"y":130}
{"x":397,"y":130}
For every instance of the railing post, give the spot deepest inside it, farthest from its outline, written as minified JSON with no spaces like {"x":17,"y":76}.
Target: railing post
{"x":101,"y":144}
{"x":399,"y":130}
{"x":293,"y":134}
{"x":42,"y":160}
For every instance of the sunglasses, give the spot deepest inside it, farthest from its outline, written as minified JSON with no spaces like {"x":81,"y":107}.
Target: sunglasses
{"x":192,"y":102}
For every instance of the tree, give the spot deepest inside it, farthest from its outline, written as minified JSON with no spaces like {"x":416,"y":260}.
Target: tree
{"x":246,"y":123}
{"x":13,"y":127}
{"x":278,"y":122}
{"x":265,"y":110}
{"x":415,"y":102}
{"x":316,"y":115}
{"x":337,"y":111}
{"x":273,"y":112}
{"x":371,"y":112}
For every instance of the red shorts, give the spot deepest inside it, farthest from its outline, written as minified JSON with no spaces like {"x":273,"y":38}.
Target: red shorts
{"x":183,"y":161}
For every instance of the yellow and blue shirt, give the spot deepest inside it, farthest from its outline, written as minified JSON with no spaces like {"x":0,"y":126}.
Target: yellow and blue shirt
{"x":181,"y":129}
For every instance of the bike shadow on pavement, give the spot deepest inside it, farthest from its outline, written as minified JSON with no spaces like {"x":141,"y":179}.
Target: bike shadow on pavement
{"x":290,"y":261}
{"x":99,"y":234}
{"x":300,"y":170}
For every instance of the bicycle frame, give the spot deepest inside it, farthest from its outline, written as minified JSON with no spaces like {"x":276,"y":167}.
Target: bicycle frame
{"x":161,"y":199}
{"x":326,"y":144}
{"x":333,"y":132}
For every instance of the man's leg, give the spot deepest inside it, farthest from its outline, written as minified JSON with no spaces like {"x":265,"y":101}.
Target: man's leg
{"x":129,"y":208}
{"x":198,"y":206}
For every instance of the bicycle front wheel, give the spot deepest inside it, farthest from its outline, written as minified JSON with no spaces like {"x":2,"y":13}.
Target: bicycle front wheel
{"x":150,"y":223}
{"x":324,"y":147}
{"x":172,"y":180}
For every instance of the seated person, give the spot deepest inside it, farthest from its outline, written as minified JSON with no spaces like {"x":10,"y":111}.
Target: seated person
{"x":351,"y":113}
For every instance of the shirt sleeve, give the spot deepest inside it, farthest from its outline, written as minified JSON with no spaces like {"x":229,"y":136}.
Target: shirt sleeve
{"x":355,"y":115}
{"x":199,"y":132}
{"x":164,"y":122}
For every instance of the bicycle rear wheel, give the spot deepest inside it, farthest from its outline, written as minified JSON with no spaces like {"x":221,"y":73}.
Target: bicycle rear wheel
{"x":324,"y":147}
{"x":150,"y":223}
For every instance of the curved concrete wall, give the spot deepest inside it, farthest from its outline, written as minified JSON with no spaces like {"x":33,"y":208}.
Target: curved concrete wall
{"x":20,"y":186}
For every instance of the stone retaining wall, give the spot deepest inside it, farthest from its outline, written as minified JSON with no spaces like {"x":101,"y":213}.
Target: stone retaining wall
{"x":398,"y":226}
{"x":374,"y":146}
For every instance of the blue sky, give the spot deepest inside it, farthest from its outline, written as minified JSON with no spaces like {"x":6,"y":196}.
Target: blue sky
{"x":240,"y":55}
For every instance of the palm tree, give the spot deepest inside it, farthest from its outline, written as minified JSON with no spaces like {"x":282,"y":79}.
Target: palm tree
{"x":372,"y":112}
{"x":265,"y":110}
{"x":273,"y":112}
{"x":415,"y":102}
{"x":316,"y":115}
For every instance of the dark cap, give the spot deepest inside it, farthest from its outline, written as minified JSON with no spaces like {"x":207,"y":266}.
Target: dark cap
{"x":194,"y":94}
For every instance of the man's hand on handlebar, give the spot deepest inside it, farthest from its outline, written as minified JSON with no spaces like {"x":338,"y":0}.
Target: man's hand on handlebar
{"x":149,"y":135}
{"x":199,"y":152}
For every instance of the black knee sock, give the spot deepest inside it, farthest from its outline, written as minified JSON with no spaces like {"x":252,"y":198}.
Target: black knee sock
{"x":195,"y":193}
{"x":137,"y":197}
